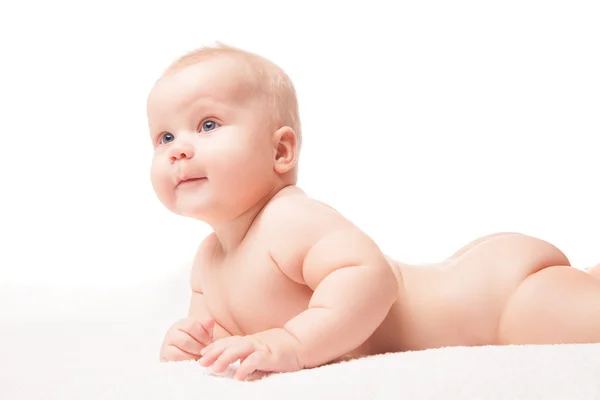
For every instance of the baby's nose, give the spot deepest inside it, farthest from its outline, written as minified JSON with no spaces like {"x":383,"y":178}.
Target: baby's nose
{"x":181,"y":152}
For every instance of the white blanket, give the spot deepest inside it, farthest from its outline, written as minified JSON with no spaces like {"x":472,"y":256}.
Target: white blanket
{"x":104,"y":345}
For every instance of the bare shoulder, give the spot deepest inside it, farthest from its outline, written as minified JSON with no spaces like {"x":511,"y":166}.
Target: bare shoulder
{"x":202,"y":256}
{"x":301,"y":218}
{"x":302,"y":212}
{"x":309,"y":237}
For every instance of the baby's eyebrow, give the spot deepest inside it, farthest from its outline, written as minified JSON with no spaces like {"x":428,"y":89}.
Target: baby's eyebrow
{"x":189,"y":110}
{"x":214,"y":107}
{"x":156,"y":127}
{"x":206,"y":101}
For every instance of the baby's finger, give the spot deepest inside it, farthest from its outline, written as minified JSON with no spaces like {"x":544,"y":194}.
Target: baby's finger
{"x":195,"y":329}
{"x":209,"y":326}
{"x":254,"y":362}
{"x":211,"y":353}
{"x":174,"y":353}
{"x":231,"y":355}
{"x":187,"y":343}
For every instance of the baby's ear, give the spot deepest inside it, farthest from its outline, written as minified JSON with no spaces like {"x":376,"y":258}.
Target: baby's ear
{"x":285,"y":150}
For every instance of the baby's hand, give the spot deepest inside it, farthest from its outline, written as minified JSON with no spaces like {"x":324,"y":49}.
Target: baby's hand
{"x":269,"y":351}
{"x":186,"y":338}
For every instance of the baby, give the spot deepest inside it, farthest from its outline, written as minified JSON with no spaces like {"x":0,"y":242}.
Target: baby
{"x":285,"y":282}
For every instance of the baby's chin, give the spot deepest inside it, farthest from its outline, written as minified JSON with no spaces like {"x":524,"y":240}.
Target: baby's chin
{"x":198,"y":210}
{"x":208,"y":209}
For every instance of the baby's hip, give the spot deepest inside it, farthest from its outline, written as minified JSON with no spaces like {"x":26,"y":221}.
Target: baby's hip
{"x":479,"y":283}
{"x":462,"y":304}
{"x":501,"y":263}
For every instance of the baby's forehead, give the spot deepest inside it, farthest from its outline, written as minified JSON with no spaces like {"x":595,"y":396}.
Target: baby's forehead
{"x":220,"y":79}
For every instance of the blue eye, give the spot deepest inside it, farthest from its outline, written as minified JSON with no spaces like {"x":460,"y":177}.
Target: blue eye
{"x":167,"y":137}
{"x":208,"y":125}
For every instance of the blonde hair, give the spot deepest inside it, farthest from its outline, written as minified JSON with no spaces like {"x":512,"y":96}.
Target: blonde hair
{"x":264,"y":78}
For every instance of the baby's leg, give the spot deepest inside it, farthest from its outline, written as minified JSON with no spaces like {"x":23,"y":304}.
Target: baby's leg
{"x":595,"y":271}
{"x":555,"y":305}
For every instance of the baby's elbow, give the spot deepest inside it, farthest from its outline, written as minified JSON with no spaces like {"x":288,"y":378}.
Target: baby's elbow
{"x":388,"y":281}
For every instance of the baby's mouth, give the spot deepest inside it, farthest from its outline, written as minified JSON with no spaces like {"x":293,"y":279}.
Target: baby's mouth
{"x":189,"y":180}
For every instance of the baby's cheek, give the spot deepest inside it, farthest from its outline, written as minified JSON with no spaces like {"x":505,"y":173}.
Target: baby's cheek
{"x":244,"y":178}
{"x":237,"y":173}
{"x":161,"y":184}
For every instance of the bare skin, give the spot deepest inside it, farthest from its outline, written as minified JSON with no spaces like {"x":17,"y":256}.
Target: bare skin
{"x":285,"y":282}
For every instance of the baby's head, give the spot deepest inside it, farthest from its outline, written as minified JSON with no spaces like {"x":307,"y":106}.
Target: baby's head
{"x":225,"y":128}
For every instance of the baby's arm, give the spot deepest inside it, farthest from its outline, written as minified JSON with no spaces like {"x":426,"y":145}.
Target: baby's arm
{"x":198,"y":309}
{"x":354,"y":286}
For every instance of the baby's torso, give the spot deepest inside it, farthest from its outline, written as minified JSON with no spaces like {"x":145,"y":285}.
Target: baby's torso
{"x":248,"y":293}
{"x":456,"y":305}
{"x":436,"y":308}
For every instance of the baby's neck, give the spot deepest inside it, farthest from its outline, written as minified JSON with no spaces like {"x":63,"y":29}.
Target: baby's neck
{"x":230,"y":234}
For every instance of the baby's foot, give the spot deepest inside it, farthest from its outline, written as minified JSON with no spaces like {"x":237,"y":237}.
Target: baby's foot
{"x":595,"y":271}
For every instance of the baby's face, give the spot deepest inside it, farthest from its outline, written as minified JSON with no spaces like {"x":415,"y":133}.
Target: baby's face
{"x":213,"y":156}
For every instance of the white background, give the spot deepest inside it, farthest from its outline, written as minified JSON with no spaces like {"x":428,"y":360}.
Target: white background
{"x":427,"y":123}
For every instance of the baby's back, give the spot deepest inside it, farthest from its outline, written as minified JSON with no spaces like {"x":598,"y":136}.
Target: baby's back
{"x":461,"y":303}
